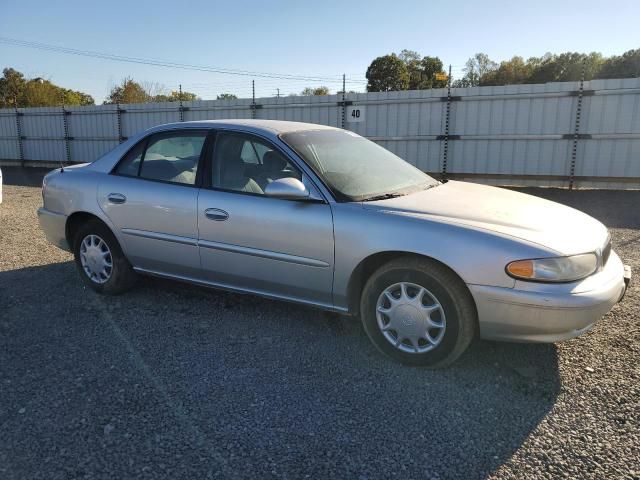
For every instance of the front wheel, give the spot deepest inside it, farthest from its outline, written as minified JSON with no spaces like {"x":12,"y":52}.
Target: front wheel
{"x":100,"y":260}
{"x":418,"y":312}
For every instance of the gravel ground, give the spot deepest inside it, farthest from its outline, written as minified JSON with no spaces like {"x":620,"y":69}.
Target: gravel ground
{"x":174,"y":381}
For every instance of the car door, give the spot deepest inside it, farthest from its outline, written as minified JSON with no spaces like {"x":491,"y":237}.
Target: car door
{"x":247,"y":240}
{"x":152,"y":196}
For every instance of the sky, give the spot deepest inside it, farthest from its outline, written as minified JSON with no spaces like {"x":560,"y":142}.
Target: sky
{"x":297,"y":38}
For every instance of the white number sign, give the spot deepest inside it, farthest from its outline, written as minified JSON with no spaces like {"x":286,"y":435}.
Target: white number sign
{"x":355,"y":113}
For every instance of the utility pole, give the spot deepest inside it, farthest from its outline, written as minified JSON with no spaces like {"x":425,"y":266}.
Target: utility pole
{"x":278,"y":95}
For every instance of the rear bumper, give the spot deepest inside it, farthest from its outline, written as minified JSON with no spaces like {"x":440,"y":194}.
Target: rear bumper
{"x":53,"y":225}
{"x":533,"y":312}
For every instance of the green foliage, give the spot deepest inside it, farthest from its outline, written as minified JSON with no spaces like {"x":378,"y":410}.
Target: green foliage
{"x":315,"y":91}
{"x":406,"y":71}
{"x":17,"y":91}
{"x":11,"y":87}
{"x":130,"y":91}
{"x":387,"y":73}
{"x":626,"y":65}
{"x":175,"y":96}
{"x":565,"y":67}
{"x":515,"y":70}
{"x":476,"y":68}
{"x":430,"y":67}
{"x":412,"y":60}
{"x":226,"y":96}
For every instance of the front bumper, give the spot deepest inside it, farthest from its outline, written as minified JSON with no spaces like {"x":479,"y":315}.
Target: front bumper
{"x":535,"y":312}
{"x":53,"y":225}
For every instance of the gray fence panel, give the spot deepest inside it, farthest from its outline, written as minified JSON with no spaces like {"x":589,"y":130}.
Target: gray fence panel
{"x":322,"y":110}
{"x":42,"y":122}
{"x":9,"y":148}
{"x":88,"y":150}
{"x":501,"y":134}
{"x":45,"y":150}
{"x":8,"y":135}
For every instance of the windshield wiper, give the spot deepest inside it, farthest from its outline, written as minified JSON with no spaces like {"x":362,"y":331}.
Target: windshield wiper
{"x":383,"y":196}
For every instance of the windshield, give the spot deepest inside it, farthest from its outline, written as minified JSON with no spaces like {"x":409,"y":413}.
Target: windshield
{"x":354,"y":168}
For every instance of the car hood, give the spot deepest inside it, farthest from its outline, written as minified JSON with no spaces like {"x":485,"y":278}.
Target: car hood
{"x":558,"y":227}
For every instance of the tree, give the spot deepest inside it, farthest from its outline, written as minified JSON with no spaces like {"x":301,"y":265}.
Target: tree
{"x":509,"y":72}
{"x":412,"y":60}
{"x":626,"y":65}
{"x":128,"y":91}
{"x":16,"y":90}
{"x":226,"y":96}
{"x":175,"y":96}
{"x":387,"y":73}
{"x":309,"y":91}
{"x":475,"y":69}
{"x":42,"y":93}
{"x":421,"y":72}
{"x":72,"y":97}
{"x":565,"y":67}
{"x":11,"y":87}
{"x":430,"y":66}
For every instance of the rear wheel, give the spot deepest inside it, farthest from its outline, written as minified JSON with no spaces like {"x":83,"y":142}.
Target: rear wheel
{"x":418,"y":312}
{"x":100,"y":260}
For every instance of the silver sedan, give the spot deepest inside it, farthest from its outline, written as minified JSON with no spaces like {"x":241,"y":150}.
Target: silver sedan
{"x":324,"y":217}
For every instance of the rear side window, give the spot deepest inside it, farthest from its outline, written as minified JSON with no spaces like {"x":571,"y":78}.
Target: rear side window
{"x":169,"y":157}
{"x":173,"y":159}
{"x":130,"y":165}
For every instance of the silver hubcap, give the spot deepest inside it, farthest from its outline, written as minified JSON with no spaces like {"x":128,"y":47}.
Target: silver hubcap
{"x":95,"y":258}
{"x":410,"y":317}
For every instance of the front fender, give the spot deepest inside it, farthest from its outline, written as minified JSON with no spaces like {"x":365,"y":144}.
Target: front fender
{"x":477,"y":256}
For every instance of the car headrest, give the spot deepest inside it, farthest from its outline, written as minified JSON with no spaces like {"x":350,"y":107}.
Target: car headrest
{"x":273,"y":161}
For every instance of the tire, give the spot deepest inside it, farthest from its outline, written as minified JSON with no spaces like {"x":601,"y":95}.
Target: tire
{"x":443,"y":308}
{"x":119,"y":277}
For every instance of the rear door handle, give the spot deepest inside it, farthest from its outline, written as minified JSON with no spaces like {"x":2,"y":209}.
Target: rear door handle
{"x":216,"y":214}
{"x":116,"y":198}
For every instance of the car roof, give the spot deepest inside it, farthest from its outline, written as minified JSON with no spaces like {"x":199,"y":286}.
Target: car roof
{"x":266,"y":126}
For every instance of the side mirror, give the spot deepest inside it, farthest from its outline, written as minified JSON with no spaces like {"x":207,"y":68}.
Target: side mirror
{"x":289,"y":188}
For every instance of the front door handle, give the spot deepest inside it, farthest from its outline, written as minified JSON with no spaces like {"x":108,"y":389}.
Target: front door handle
{"x":216,"y":214}
{"x":116,"y":198}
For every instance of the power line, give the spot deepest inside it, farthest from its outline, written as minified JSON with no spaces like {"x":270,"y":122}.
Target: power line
{"x":162,"y":63}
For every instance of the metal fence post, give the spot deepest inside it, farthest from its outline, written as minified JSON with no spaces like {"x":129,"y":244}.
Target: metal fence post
{"x":67,"y":138}
{"x":445,"y":152}
{"x":19,"y":138}
{"x":180,"y":107}
{"x":344,"y":101}
{"x":576,"y":131}
{"x":253,"y":99}
{"x":119,"y":112}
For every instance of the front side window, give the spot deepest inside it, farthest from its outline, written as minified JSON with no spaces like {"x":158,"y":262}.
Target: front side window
{"x":167,"y":157}
{"x":354,"y":168}
{"x":243,"y":163}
